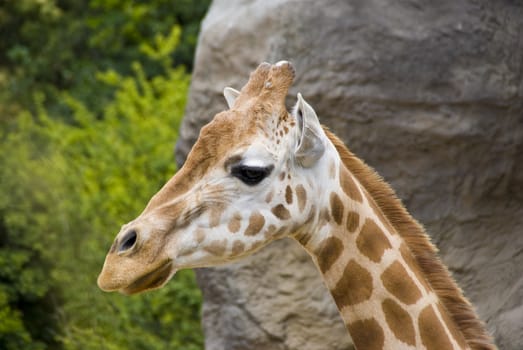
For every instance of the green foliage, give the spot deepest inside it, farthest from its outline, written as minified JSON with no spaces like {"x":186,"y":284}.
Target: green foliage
{"x":66,"y":186}
{"x":55,"y":45}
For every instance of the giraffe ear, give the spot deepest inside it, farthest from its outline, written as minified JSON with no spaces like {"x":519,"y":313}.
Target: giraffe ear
{"x":310,"y":145}
{"x":230,"y":95}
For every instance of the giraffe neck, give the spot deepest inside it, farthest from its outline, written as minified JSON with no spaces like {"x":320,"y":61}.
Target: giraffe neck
{"x":383,"y":296}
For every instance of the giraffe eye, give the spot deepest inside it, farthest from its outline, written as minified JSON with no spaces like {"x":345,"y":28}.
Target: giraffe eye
{"x":251,"y":175}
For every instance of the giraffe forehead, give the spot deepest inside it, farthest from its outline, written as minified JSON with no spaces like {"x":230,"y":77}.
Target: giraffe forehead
{"x":224,"y":136}
{"x":257,"y":155}
{"x":232,"y":130}
{"x":228,"y":130}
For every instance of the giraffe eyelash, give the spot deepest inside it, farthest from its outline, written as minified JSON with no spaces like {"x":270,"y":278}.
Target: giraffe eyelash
{"x":251,"y":175}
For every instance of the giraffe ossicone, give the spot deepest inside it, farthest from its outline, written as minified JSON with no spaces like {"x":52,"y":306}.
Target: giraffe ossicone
{"x":258,"y":173}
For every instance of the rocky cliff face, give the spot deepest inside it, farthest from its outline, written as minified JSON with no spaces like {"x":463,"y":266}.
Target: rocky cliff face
{"x":430,"y":93}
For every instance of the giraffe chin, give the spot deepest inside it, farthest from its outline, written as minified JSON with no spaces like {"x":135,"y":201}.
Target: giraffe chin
{"x":151,"y":280}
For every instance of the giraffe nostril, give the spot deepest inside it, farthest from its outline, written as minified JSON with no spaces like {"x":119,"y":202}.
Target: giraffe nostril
{"x":128,"y":241}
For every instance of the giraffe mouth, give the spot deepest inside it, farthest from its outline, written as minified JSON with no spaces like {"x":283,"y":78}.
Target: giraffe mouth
{"x":151,"y":280}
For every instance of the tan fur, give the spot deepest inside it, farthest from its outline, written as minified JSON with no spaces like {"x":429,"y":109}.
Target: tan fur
{"x":419,"y":243}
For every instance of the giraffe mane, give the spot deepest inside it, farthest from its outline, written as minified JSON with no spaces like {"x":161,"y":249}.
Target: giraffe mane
{"x":425,"y":253}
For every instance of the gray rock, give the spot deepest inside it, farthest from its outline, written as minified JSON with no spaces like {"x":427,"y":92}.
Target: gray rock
{"x":430,"y":93}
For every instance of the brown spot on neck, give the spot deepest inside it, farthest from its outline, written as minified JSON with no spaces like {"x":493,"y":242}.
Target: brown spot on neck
{"x":371,"y":241}
{"x":349,"y":186}
{"x":337,"y":208}
{"x":433,"y":335}
{"x":398,"y":282}
{"x":367,"y":334}
{"x":353,"y":221}
{"x":399,"y":321}
{"x":354,"y":286}
{"x":328,"y":252}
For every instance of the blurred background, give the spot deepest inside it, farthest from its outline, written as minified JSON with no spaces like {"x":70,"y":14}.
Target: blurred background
{"x":91,"y":96}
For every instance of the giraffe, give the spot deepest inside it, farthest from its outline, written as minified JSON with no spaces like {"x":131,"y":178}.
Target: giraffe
{"x":258,"y":173}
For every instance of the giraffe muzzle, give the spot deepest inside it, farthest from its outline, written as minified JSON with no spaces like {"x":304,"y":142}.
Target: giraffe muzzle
{"x":152,"y":280}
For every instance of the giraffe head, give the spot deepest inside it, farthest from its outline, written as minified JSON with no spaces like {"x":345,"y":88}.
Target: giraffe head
{"x":245,"y":183}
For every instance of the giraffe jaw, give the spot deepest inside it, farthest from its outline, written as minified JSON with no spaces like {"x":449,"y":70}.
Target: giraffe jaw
{"x":152,"y":280}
